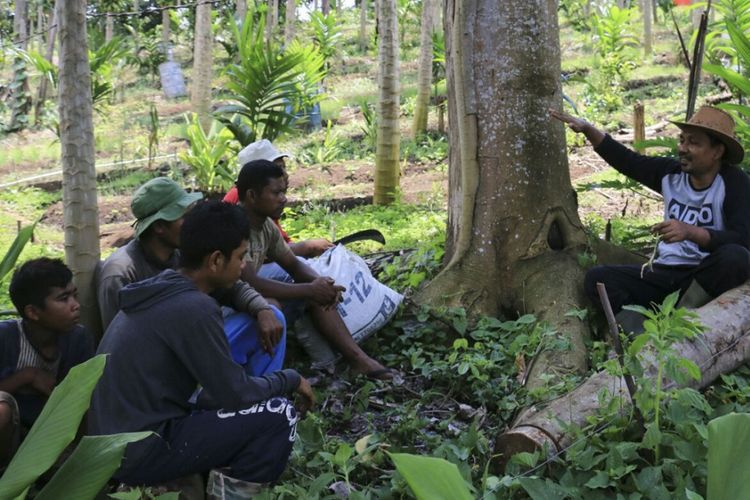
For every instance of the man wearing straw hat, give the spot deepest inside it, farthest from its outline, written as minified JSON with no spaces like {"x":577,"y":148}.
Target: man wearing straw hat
{"x":704,"y":238}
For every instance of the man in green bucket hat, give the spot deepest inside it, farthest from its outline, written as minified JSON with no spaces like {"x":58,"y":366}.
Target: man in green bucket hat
{"x":256,"y":330}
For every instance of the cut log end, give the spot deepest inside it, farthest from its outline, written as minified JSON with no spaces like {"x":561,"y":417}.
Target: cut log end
{"x":523,"y":438}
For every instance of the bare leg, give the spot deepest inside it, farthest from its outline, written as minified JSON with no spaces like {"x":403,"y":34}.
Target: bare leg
{"x":332,"y":327}
{"x":7,"y":434}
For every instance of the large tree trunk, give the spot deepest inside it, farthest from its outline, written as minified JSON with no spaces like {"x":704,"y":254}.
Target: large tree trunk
{"x":647,"y":26}
{"x":362,"y":25}
{"x":325,"y":7}
{"x":290,"y":20}
{"x":41,"y":96}
{"x":200,"y":93}
{"x":419,"y":125}
{"x":389,"y":137}
{"x":723,"y":348}
{"x":80,"y":209}
{"x":513,"y":227}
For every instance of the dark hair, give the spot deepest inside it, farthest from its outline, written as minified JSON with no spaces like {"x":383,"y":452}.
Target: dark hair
{"x":256,"y":175}
{"x":210,"y":226}
{"x":33,"y":281}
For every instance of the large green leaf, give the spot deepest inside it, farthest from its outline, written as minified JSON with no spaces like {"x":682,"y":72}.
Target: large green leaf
{"x":728,"y":457}
{"x":55,"y":428}
{"x":90,"y":466}
{"x":733,"y":78}
{"x":11,"y":256}
{"x":431,"y":478}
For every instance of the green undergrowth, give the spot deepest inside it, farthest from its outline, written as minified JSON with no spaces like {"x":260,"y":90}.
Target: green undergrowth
{"x":404,"y":226}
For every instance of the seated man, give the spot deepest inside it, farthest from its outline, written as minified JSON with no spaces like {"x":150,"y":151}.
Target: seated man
{"x":706,"y":232}
{"x":261,"y":187}
{"x":264,"y":150}
{"x":38,"y":350}
{"x":159,"y":207}
{"x":167,"y":340}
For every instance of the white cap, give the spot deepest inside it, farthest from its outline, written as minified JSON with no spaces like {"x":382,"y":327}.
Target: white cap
{"x":260,"y":150}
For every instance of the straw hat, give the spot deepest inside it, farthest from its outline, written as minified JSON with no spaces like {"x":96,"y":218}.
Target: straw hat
{"x":719,"y":124}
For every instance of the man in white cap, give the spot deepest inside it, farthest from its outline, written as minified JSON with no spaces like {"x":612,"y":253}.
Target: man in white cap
{"x":264,"y":150}
{"x":705,"y":234}
{"x":255,"y":329}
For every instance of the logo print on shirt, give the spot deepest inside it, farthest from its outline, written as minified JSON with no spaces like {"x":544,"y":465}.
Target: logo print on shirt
{"x":695,"y":216}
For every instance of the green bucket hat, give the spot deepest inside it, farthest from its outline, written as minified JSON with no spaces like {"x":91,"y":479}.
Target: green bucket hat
{"x":160,"y":199}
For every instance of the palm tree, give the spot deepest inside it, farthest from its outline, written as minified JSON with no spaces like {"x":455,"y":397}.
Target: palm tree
{"x":387,"y":149}
{"x":200,"y":93}
{"x":291,"y":18}
{"x":81,"y":213}
{"x":419,"y":125}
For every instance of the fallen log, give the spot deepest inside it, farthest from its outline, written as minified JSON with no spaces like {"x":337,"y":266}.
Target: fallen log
{"x":723,"y":347}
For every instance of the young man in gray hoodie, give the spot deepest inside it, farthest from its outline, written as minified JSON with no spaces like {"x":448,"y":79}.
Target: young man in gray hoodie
{"x":167,"y":341}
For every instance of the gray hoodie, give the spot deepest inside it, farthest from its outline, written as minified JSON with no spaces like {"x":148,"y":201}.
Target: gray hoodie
{"x":168,"y":339}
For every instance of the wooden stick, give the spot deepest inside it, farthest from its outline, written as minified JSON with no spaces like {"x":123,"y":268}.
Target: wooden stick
{"x":614,"y":333}
{"x":639,"y":126}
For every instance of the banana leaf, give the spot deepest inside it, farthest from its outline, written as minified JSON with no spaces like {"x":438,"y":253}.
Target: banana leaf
{"x":90,"y":466}
{"x":55,"y":428}
{"x":431,"y":478}
{"x":728,"y":459}
{"x":11,"y":256}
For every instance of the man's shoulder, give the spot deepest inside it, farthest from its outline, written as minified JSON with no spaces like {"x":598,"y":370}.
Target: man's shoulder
{"x":8,"y":329}
{"x":733,"y":173}
{"x":121,"y":261}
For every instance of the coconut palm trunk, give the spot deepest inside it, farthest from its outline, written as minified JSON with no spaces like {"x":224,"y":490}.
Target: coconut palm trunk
{"x":290,"y":20}
{"x":80,"y":209}
{"x":362,"y":25}
{"x":421,"y":107}
{"x":389,"y":137}
{"x":200,"y":93}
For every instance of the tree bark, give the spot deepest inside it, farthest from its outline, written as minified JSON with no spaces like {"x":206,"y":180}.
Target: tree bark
{"x":389,"y":137}
{"x":362,"y":25}
{"x":80,"y":209}
{"x":20,"y":102}
{"x":513,"y":229}
{"x":289,"y":23}
{"x":723,"y":348}
{"x":109,"y":27}
{"x":200,"y":94}
{"x":166,"y":30}
{"x":271,"y":19}
{"x":648,"y":36}
{"x":44,"y":83}
{"x":20,"y":24}
{"x":419,"y":124}
{"x":437,"y":15}
{"x":241,"y":10}
{"x":325,"y":7}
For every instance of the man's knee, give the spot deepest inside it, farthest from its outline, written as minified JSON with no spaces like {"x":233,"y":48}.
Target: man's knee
{"x":733,"y":258}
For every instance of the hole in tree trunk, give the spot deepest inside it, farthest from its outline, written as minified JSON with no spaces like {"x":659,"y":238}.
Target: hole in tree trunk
{"x":555,"y":238}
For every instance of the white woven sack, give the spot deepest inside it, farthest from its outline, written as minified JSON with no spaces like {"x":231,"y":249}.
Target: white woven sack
{"x":368,"y":304}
